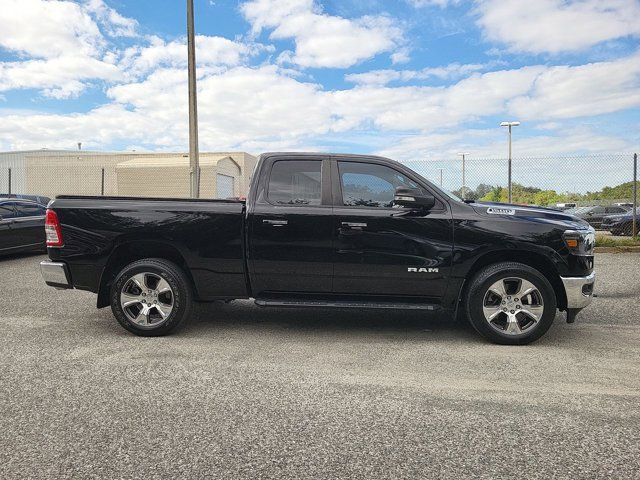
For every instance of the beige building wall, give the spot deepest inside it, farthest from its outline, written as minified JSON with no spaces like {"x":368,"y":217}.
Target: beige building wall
{"x":167,"y":175}
{"x":71,"y":174}
{"x":51,"y":173}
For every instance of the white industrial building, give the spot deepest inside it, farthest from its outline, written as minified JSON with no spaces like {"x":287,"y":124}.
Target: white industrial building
{"x":57,"y":172}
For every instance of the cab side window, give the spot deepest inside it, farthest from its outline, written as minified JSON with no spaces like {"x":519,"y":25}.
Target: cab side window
{"x":296,"y":182}
{"x":615,"y":210}
{"x":6,"y":211}
{"x":29,"y":210}
{"x":370,"y":184}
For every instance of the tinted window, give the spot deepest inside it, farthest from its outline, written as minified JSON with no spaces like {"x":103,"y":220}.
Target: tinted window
{"x":369,"y":184}
{"x":597,"y":210}
{"x":6,"y":210}
{"x":29,"y":210}
{"x":296,"y":182}
{"x":615,"y":210}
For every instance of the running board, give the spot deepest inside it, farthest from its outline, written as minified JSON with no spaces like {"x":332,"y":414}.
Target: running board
{"x":344,"y":304}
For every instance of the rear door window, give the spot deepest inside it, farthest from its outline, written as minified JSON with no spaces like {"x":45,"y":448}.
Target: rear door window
{"x":296,"y":182}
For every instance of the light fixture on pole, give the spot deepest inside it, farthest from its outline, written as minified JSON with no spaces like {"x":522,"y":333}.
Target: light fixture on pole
{"x":510,"y":125}
{"x":194,"y":160}
{"x":463,"y":190}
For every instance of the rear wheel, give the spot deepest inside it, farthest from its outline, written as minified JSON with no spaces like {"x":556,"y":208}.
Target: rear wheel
{"x":151,"y":297}
{"x":510,"y":303}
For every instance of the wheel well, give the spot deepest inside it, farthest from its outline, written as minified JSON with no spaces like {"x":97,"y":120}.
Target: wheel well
{"x":129,"y":252}
{"x":535,"y":260}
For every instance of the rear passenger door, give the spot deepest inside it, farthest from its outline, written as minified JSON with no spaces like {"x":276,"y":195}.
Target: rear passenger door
{"x":29,"y":224}
{"x":290,"y":227}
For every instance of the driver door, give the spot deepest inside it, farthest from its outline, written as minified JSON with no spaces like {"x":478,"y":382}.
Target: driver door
{"x":383,"y":250}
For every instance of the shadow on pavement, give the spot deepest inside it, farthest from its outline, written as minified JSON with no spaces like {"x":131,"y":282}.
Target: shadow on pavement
{"x":245,"y":315}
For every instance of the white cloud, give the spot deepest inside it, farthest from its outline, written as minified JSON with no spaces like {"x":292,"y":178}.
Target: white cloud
{"x":383,"y":77}
{"x":48,"y":29}
{"x":585,"y":90}
{"x":211,"y":51}
{"x":556,"y":26}
{"x":240,"y":106}
{"x":59,"y":45}
{"x":61,"y":49}
{"x":266,"y":106}
{"x":432,"y":3}
{"x":61,"y":77}
{"x":115,"y":24}
{"x":491,"y":144}
{"x":323,"y":40}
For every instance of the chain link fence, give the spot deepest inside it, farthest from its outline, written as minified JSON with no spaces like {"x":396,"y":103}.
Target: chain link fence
{"x":578,"y":182}
{"x":52,"y":173}
{"x":605,"y":180}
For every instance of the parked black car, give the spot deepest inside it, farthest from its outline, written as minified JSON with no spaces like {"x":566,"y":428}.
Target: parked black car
{"x":595,"y":214}
{"x":621,"y":224}
{"x":348,"y":231}
{"x":21,"y":226}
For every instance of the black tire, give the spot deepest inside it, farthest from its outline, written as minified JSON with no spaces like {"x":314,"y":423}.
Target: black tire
{"x":478,"y":290}
{"x":181,"y":296}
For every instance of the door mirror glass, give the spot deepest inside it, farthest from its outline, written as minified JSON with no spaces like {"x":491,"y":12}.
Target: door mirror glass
{"x":413,"y":198}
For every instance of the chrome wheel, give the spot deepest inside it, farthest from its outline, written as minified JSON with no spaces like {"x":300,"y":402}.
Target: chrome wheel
{"x":513,"y":306}
{"x":147,"y":300}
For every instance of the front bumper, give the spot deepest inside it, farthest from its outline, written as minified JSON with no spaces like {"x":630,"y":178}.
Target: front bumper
{"x":55,"y":274}
{"x":579,"y":290}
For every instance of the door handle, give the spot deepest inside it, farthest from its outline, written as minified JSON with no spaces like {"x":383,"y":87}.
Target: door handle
{"x":275,"y":223}
{"x":354,"y":225}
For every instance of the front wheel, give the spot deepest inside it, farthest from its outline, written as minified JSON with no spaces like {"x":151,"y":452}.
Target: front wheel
{"x":151,"y":297}
{"x":510,"y":303}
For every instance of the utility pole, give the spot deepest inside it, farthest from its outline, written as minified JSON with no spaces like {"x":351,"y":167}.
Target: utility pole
{"x":634,"y":228}
{"x":441,"y":176}
{"x":509,"y":124}
{"x":463,"y":190}
{"x":194,"y":160}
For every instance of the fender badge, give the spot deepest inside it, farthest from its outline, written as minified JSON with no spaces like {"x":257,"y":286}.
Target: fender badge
{"x":500,"y":211}
{"x":423,"y":270}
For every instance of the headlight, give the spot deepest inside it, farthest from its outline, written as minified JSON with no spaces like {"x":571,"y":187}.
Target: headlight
{"x":580,"y":242}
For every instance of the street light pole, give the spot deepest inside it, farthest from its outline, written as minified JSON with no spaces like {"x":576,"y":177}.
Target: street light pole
{"x":194,"y":160}
{"x":509,"y":124}
{"x":441,"y":176}
{"x":464,"y":180}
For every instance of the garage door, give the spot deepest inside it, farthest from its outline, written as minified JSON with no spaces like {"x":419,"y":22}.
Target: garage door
{"x":224,"y":186}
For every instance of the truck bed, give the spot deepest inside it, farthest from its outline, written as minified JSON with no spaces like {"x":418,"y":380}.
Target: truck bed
{"x":205,"y":236}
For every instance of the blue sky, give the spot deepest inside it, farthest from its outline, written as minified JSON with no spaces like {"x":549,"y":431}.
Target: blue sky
{"x":411,"y":79}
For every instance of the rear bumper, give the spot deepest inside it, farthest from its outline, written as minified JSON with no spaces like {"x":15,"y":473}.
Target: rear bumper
{"x":55,"y":274}
{"x":579,"y":290}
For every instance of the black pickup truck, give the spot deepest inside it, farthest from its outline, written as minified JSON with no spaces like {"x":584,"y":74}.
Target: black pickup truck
{"x":325,"y":230}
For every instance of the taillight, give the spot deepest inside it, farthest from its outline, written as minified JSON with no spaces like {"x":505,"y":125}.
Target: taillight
{"x":52,"y":229}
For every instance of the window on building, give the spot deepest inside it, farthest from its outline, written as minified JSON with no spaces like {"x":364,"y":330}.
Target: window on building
{"x":225,"y":186}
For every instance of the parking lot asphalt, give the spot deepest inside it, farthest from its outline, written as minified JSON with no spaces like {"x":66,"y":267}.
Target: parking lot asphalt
{"x":244,"y":392}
